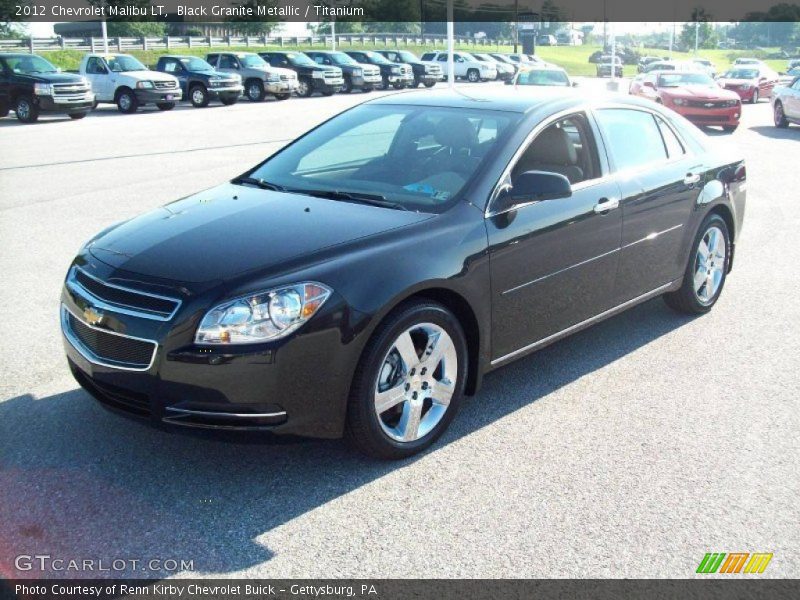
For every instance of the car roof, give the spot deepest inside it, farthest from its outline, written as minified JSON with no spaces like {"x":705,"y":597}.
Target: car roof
{"x":509,"y":99}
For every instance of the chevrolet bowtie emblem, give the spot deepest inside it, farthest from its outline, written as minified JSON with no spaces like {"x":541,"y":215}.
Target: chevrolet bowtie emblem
{"x":91,"y":316}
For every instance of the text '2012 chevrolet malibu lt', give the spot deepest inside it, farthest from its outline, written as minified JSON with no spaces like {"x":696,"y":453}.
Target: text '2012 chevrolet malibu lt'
{"x":361,"y":280}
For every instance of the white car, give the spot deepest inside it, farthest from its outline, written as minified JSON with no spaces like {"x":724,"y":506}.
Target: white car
{"x":465,"y":66}
{"x":505,"y":71}
{"x":786,"y":79}
{"x":786,"y":104}
{"x":122,"y":80}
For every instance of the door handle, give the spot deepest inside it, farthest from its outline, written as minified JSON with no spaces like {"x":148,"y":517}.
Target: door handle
{"x":606,"y":204}
{"x":691,"y":178}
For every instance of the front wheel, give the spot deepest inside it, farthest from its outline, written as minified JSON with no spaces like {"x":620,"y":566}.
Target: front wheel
{"x":473,"y":76}
{"x":255,"y":91}
{"x":77,"y":116}
{"x":199,"y":96}
{"x":755,"y":97}
{"x":780,"y":117}
{"x":127,"y":102}
{"x":729,"y":128}
{"x":282,"y":96}
{"x":26,"y":110}
{"x":165,"y":105}
{"x":409,"y":382}
{"x":707,"y":269}
{"x":305,"y":88}
{"x":429,"y":84}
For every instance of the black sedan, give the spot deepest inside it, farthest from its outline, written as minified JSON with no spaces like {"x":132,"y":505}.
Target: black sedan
{"x":361,"y":280}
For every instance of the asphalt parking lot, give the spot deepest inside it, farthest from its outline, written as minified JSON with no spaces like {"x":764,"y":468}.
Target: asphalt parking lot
{"x":628,"y":450}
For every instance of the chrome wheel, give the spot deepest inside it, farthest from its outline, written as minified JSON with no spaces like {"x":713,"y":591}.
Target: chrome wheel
{"x":303,"y":88}
{"x":254,"y":91}
{"x":125,"y":102}
{"x":416,"y":382}
{"x":198,"y":96}
{"x":709,"y":265}
{"x":23,"y":110}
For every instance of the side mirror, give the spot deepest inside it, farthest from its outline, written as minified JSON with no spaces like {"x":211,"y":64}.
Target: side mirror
{"x":534,"y":186}
{"x":574,"y":84}
{"x":762,"y":80}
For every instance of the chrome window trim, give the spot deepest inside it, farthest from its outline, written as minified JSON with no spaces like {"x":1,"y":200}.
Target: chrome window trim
{"x":585,"y":323}
{"x":124,"y":309}
{"x":91,"y":356}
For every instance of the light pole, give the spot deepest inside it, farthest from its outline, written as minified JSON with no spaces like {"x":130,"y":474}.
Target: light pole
{"x":451,"y":76}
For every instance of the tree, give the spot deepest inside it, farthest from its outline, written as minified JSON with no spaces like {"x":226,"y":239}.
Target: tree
{"x":706,"y":36}
{"x":9,"y":29}
{"x":136,"y":29}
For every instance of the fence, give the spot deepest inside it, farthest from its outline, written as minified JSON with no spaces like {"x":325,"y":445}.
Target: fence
{"x":125,"y":44}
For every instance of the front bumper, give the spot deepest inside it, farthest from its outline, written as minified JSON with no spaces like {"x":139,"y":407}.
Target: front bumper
{"x":297,"y":385}
{"x":405,"y":79}
{"x":367,"y":80}
{"x":710,"y":116}
{"x":280,"y":87}
{"x":158,"y":96}
{"x":230,"y":90}
{"x":78,"y":103}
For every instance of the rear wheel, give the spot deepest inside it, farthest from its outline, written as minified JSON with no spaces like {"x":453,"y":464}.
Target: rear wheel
{"x":473,"y":76}
{"x":165,"y":105}
{"x":305,"y":88}
{"x":26,"y":110}
{"x":780,"y":117}
{"x":348,"y":86}
{"x":199,"y":96}
{"x":255,"y":90}
{"x":77,"y":116}
{"x":282,"y":96}
{"x":409,"y":382}
{"x":127,"y":102}
{"x":429,"y":84}
{"x":755,"y":97}
{"x":707,"y":269}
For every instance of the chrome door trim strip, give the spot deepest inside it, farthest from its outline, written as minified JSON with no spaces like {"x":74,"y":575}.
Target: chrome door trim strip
{"x":587,"y":322}
{"x":91,"y":356}
{"x":653,"y":236}
{"x":543,"y":277}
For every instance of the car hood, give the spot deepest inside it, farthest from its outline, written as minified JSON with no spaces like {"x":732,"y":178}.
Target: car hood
{"x":700,"y":92}
{"x":232,"y":229}
{"x":51,"y":77}
{"x":148,"y":75}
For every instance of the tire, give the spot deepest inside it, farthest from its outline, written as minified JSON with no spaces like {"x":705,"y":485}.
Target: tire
{"x":385,"y":83}
{"x":77,"y":116}
{"x":347,"y":88}
{"x":780,"y":117}
{"x":473,"y":76}
{"x":417,"y":386}
{"x":416,"y":83}
{"x":26,"y":110}
{"x":198,"y":95}
{"x":429,"y":84}
{"x":754,"y":100}
{"x":328,"y":93}
{"x":729,"y":128}
{"x":305,"y":88}
{"x":228,"y":100}
{"x":282,"y":96}
{"x":127,"y":102}
{"x":398,"y":85}
{"x":367,"y":89}
{"x":4,"y":110}
{"x":254,"y":90}
{"x":695,"y":296}
{"x":165,"y":105}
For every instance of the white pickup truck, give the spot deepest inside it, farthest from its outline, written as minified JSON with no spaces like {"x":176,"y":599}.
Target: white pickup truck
{"x":465,"y":66}
{"x":122,"y":80}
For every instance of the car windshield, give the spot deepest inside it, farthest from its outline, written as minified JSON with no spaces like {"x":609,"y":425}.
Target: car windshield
{"x":27,"y":65}
{"x":196,"y":64}
{"x":543,"y":77}
{"x":679,"y":79}
{"x":794,"y":72}
{"x":252,"y":61}
{"x":483,"y":57}
{"x":376,"y":58}
{"x":416,"y":158}
{"x":408,"y":56}
{"x":742,"y":74}
{"x":123,"y":63}
{"x":298,"y":59}
{"x":340,"y":58}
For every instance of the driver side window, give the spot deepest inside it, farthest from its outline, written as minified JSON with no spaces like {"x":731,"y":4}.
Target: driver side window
{"x":566,"y":147}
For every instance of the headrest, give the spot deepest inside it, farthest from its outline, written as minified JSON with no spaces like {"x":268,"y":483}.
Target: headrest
{"x":554,"y":147}
{"x":455,"y":132}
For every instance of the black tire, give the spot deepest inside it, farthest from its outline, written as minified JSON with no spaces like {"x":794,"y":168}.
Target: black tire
{"x":367,"y":89}
{"x":4,"y":110}
{"x":254,"y":90}
{"x":755,"y":98}
{"x":305,"y":88}
{"x":165,"y":105}
{"x":416,"y":83}
{"x":26,"y":110}
{"x":398,"y":85}
{"x":473,"y":76}
{"x":385,"y":83}
{"x":780,"y":117}
{"x":328,"y":93}
{"x":282,"y":96}
{"x":198,"y":96}
{"x":227,"y":100}
{"x":685,"y":299}
{"x":347,"y":88}
{"x":363,"y":428}
{"x":429,"y":84}
{"x":127,"y":102}
{"x":729,"y":128}
{"x":77,"y":116}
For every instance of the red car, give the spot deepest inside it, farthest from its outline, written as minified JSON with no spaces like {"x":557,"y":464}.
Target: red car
{"x":750,"y":82}
{"x":693,"y":95}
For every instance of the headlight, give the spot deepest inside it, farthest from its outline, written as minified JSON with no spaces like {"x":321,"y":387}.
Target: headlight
{"x":731,"y":102}
{"x":43,"y":89}
{"x":274,"y":77}
{"x":318,"y":74}
{"x":679,"y":101}
{"x":395,"y":70}
{"x":263,"y":316}
{"x":145,"y":85}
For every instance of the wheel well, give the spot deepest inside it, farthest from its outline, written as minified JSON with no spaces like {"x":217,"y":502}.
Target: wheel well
{"x":469,"y":323}
{"x":120,"y":89}
{"x":250,"y":80}
{"x":195,"y":84}
{"x":725,"y":212}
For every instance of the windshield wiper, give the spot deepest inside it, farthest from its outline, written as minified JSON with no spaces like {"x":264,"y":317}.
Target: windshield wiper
{"x":371,"y":199}
{"x":263,"y":184}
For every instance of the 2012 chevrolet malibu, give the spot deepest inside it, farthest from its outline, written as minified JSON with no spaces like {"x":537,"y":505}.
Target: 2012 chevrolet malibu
{"x":364,"y":278}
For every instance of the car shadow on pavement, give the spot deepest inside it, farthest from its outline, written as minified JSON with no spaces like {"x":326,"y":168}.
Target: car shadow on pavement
{"x":77,"y":482}
{"x":789,"y":133}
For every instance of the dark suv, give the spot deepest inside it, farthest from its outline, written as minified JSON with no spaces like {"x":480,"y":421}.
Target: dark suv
{"x":425,"y":74}
{"x":30,"y":85}
{"x":395,"y":74}
{"x":199,"y":81}
{"x":355,"y":74}
{"x":311,"y":77}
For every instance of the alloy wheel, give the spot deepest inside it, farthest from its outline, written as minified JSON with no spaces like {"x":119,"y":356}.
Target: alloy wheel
{"x":23,"y":110}
{"x":303,"y":88}
{"x":416,"y":382}
{"x":780,"y":118}
{"x":709,"y":266}
{"x":125,"y":102}
{"x":254,"y":91}
{"x":198,"y":96}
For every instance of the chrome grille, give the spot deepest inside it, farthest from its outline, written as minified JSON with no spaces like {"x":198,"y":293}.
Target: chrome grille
{"x":69,"y":89}
{"x":165,"y":85}
{"x":288,"y":77}
{"x":115,"y":298}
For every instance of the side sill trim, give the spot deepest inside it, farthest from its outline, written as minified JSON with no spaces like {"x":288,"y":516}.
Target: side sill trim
{"x":582,"y":324}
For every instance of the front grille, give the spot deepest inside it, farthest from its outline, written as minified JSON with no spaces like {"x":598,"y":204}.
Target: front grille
{"x":165,"y":85}
{"x":706,"y":118}
{"x":405,"y":69}
{"x":288,"y":77}
{"x":113,"y":396}
{"x":705,"y":103}
{"x":433,"y":70}
{"x":127,"y":300}
{"x":110,"y":348}
{"x":69,"y":89}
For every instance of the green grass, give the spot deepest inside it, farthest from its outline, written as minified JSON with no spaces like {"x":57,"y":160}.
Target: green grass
{"x":575,"y":59}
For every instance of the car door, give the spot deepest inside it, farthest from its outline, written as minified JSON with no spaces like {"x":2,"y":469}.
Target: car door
{"x":792,"y":100}
{"x":5,"y":85}
{"x":660,"y":180}
{"x":99,"y":76}
{"x":176,"y":69}
{"x":554,"y":262}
